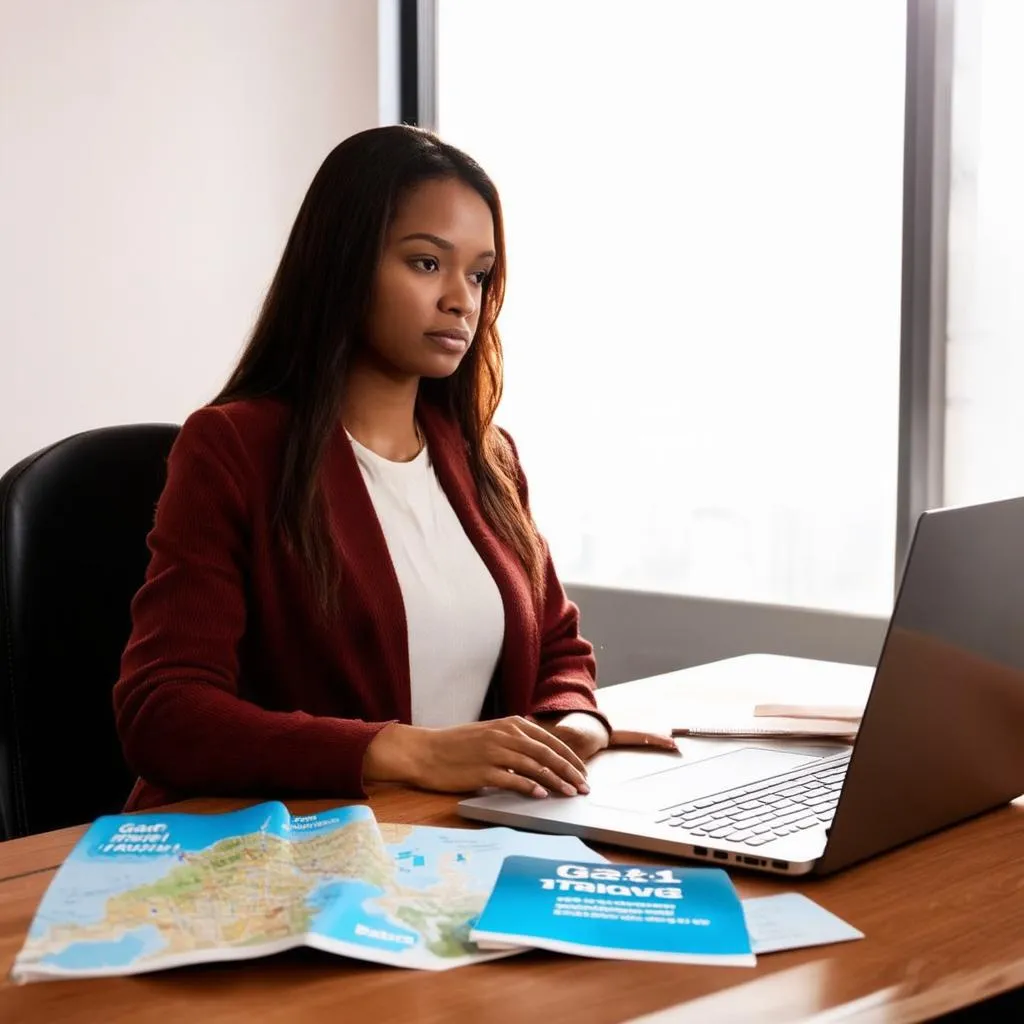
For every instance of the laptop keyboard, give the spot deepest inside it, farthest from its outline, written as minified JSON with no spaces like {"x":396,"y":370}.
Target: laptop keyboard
{"x":768,"y":809}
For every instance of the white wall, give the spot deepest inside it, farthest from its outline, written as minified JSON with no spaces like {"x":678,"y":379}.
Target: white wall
{"x":153,"y":154}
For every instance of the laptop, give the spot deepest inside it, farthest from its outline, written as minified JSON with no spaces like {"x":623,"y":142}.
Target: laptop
{"x":941,"y":739}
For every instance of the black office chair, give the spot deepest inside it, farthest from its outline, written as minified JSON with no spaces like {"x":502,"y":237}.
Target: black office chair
{"x":73,"y":524}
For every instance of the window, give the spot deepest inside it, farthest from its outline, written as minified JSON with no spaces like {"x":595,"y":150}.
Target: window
{"x":985,"y":333}
{"x":703,"y":207}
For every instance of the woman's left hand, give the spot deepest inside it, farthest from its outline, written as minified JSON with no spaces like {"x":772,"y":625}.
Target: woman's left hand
{"x":586,"y":735}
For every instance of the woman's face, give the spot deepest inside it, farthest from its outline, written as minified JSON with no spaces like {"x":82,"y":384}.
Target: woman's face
{"x":429,"y":285}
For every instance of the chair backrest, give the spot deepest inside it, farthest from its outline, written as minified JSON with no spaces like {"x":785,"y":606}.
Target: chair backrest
{"x":73,"y":524}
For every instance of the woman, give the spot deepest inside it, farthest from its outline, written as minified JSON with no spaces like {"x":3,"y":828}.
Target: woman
{"x":346,"y":585}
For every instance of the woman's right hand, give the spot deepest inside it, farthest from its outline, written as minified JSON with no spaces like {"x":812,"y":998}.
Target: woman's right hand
{"x":507,"y":753}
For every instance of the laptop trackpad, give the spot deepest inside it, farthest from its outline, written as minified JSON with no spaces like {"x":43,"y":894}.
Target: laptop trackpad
{"x":700,"y":778}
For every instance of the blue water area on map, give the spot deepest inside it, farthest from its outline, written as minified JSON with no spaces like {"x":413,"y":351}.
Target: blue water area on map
{"x":120,"y":952}
{"x":79,"y":893}
{"x":342,"y":907}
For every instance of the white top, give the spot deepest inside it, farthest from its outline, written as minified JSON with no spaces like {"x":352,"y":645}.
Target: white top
{"x":453,"y":608}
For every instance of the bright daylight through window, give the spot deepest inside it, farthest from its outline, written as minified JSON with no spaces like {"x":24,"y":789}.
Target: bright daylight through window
{"x":703,"y":206}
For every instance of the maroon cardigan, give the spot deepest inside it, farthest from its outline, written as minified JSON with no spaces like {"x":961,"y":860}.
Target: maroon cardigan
{"x":233,"y":682}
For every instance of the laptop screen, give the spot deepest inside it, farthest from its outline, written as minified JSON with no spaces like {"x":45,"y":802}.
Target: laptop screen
{"x":942,"y":736}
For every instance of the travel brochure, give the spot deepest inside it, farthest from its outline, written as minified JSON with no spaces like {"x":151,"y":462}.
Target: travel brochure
{"x":625,"y":912}
{"x":146,"y":892}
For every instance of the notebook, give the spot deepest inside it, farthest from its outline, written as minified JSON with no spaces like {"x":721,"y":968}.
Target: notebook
{"x":780,"y":721}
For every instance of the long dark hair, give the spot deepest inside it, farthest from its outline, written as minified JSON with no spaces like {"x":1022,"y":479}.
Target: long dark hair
{"x":303,"y":342}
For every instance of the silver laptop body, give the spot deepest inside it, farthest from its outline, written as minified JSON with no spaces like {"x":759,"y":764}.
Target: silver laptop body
{"x":941,"y":739}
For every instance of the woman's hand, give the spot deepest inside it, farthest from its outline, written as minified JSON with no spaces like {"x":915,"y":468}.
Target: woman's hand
{"x":508,"y":753}
{"x":586,"y":735}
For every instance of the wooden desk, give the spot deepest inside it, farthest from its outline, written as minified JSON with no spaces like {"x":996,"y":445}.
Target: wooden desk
{"x":944,"y":920}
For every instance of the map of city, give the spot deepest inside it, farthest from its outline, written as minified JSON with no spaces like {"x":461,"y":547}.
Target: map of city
{"x":147,"y":892}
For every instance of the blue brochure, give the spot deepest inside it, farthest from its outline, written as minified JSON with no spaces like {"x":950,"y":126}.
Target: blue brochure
{"x":619,"y":911}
